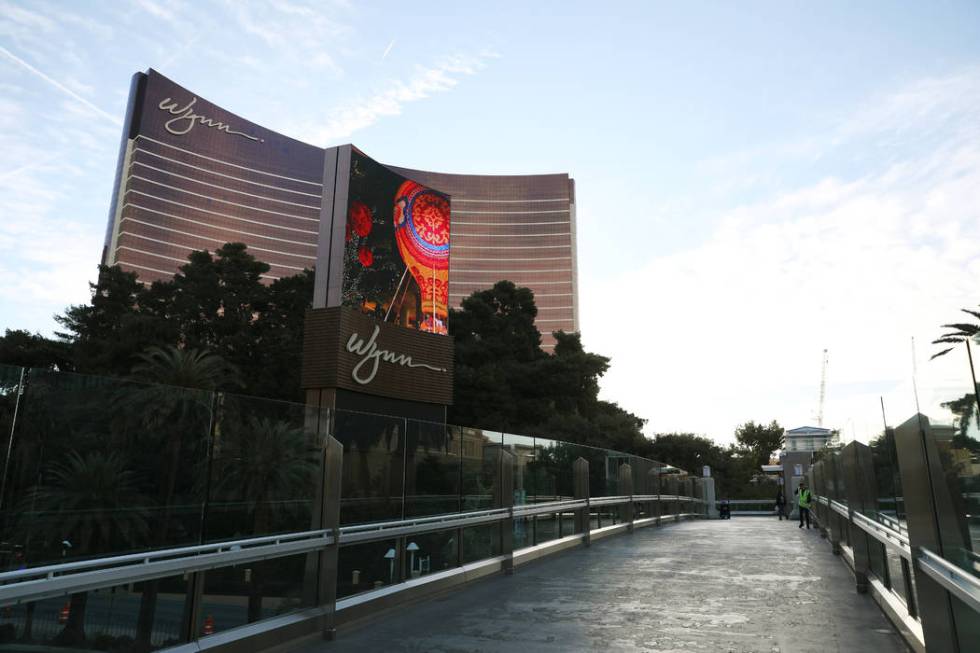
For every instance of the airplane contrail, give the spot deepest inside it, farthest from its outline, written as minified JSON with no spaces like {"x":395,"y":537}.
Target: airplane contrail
{"x":61,"y":87}
{"x":388,"y":49}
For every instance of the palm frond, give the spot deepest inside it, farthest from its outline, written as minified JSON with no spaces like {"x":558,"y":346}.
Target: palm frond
{"x":975,"y":314}
{"x":940,"y":353}
{"x":965,"y":329}
{"x":953,"y":340}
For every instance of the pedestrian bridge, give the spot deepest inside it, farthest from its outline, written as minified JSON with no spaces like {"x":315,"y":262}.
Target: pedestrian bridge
{"x":746,"y":584}
{"x":190,"y":520}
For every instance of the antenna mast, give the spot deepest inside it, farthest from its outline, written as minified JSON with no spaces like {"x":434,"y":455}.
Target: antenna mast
{"x":823,"y":388}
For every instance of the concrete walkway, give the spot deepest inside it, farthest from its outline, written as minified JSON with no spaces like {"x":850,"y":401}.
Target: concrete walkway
{"x":748,"y":584}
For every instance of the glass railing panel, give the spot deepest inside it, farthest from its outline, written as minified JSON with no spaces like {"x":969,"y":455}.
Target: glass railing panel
{"x":107,"y":619}
{"x":480,"y":467}
{"x":481,"y":542}
{"x":521,"y":448}
{"x":102,"y":466}
{"x":265,"y":469}
{"x":552,"y":470}
{"x":959,"y":457}
{"x":431,"y":552}
{"x":891,"y":506}
{"x":433,"y":469}
{"x":235,"y":596}
{"x":11,"y":553}
{"x":842,"y":497}
{"x":364,"y":567}
{"x":374,"y":465}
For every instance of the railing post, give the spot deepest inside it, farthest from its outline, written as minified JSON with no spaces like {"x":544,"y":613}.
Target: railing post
{"x":710,"y":507}
{"x":580,"y":475}
{"x":655,"y":486}
{"x":333,"y":457}
{"x":833,"y":493}
{"x":626,"y":487}
{"x":505,"y":499}
{"x":858,"y":473}
{"x":931,"y":523}
{"x":820,"y":490}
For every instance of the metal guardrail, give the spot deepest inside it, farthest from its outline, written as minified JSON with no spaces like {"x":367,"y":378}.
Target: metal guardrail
{"x":959,"y":582}
{"x":890,"y":537}
{"x":35,"y":583}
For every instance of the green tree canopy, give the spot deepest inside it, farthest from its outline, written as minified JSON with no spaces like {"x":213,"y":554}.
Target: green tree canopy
{"x":760,"y":439}
{"x":506,"y":381}
{"x":217,"y":303}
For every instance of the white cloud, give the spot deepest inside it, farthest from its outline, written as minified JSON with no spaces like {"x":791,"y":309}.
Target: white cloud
{"x":733,"y":329}
{"x":366,"y":111}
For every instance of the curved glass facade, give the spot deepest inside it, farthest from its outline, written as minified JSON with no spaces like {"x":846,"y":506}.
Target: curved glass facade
{"x":193,"y":176}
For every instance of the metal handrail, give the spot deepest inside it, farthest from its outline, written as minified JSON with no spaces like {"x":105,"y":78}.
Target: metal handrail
{"x":146,"y":557}
{"x":964,"y":585}
{"x":387,"y":530}
{"x":608,"y":501}
{"x":529,"y":509}
{"x":444,"y":517}
{"x":36,"y":583}
{"x":152,"y":566}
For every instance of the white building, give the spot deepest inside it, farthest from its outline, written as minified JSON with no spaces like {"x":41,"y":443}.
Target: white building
{"x":806,"y":438}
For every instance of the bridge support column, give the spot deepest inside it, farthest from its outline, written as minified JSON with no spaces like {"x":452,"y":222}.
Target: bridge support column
{"x":580,"y":480}
{"x":505,"y":499}
{"x":626,"y":488}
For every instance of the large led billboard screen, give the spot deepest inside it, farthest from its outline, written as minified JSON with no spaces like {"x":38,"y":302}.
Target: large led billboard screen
{"x":396,"y":252}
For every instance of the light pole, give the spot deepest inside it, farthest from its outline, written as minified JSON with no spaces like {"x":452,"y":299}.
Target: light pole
{"x":412,"y":548}
{"x":390,"y":557}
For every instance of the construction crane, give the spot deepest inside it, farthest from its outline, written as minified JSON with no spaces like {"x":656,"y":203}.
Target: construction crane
{"x":823,"y":388}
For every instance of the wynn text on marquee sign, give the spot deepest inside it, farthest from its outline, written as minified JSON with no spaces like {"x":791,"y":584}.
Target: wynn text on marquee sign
{"x":344,"y":348}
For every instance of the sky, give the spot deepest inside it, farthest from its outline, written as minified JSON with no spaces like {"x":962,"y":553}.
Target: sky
{"x":756,"y":181}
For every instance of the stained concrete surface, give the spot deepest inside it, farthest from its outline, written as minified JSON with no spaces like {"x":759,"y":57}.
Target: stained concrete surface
{"x":746,"y":584}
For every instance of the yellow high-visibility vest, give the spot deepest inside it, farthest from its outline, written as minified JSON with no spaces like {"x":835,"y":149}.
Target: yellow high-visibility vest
{"x":804,"y":498}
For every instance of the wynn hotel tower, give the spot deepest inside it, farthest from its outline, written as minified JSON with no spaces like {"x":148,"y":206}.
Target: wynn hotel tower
{"x":192,"y":176}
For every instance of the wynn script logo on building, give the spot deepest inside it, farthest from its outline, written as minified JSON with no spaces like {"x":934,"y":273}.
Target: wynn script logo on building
{"x":186,"y":120}
{"x":371,"y":357}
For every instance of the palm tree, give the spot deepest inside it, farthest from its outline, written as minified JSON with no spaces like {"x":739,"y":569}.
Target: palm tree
{"x":92,"y":501}
{"x":187,"y":368}
{"x":174,"y":414}
{"x":962,"y":332}
{"x":262,"y":462}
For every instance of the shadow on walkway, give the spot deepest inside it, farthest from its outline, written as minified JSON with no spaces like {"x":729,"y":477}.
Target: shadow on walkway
{"x":748,"y":584}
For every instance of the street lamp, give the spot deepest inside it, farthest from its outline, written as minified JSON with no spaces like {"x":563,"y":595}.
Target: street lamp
{"x":412,"y":548}
{"x":390,"y":557}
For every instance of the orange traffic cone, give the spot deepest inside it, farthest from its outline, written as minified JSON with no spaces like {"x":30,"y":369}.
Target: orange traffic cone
{"x":65,"y":611}
{"x":208,"y":625}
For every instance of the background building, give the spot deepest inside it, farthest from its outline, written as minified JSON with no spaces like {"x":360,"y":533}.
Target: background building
{"x":520,"y":228}
{"x":807,"y":438}
{"x":193,"y":176}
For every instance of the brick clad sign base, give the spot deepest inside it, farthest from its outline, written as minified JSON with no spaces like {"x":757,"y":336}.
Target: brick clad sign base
{"x":344,"y":348}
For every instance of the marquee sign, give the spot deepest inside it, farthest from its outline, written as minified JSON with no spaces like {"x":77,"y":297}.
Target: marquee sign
{"x":344,"y":348}
{"x":186,"y":119}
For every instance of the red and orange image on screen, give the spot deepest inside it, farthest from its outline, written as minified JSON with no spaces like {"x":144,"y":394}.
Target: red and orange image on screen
{"x":396,"y":263}
{"x":421,"y":218}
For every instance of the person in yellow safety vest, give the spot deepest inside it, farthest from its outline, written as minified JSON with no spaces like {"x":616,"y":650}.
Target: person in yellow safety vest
{"x":803,"y":500}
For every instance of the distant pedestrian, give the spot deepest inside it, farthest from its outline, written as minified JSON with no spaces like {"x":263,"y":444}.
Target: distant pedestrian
{"x":803,"y":500}
{"x":781,"y":504}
